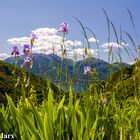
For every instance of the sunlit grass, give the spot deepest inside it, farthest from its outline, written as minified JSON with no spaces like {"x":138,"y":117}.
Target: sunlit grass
{"x":96,"y":113}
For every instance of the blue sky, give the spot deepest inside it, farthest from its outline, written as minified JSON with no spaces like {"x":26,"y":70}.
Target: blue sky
{"x":19,"y":18}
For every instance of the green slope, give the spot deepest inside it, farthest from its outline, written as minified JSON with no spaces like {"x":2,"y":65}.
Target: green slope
{"x":10,"y":76}
{"x":125,"y":82}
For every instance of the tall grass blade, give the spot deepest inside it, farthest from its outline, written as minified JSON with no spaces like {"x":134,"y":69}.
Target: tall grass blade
{"x":84,"y":32}
{"x":133,"y":24}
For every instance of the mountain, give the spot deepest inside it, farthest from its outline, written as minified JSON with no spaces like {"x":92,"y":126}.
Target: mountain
{"x":12,"y":82}
{"x":67,"y":72}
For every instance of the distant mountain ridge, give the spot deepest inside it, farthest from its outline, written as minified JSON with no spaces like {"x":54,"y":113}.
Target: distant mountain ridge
{"x":59,"y":72}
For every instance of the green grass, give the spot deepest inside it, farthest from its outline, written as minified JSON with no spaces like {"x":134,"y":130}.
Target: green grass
{"x":12,"y":82}
{"x":78,"y":117}
{"x":86,"y":117}
{"x":69,"y":116}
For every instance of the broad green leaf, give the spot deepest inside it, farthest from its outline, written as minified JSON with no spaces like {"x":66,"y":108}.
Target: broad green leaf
{"x":48,"y":131}
{"x":13,"y":110}
{"x":30,"y":125}
{"x":39,"y":121}
{"x":93,"y":129}
{"x":61,"y":103}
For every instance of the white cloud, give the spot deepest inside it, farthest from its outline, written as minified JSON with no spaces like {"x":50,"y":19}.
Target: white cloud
{"x":3,"y":56}
{"x":45,"y":31}
{"x":114,"y":45}
{"x":48,"y":39}
{"x":80,"y":53}
{"x":73,"y":43}
{"x":19,"y":41}
{"x":77,"y":43}
{"x":92,"y":39}
{"x":124,"y":44}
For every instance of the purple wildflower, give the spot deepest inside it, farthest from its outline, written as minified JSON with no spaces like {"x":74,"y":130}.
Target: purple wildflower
{"x":27,"y":60}
{"x":105,"y":101}
{"x":33,"y":36}
{"x":26,"y":49}
{"x":63,"y":27}
{"x":87,"y":69}
{"x":15,"y":51}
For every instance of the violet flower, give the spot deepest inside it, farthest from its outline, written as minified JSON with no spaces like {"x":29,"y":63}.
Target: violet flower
{"x":63,"y":27}
{"x":26,"y":49}
{"x":33,"y":36}
{"x":87,"y":70}
{"x":27,"y":60}
{"x":105,"y":101}
{"x":15,"y":51}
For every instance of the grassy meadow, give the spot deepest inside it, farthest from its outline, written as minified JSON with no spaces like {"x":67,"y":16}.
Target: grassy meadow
{"x":107,"y":110}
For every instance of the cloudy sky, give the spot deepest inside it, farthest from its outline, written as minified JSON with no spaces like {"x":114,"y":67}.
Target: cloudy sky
{"x":43,"y":17}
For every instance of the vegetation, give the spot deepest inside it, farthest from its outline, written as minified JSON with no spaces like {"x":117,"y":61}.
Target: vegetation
{"x":96,"y":114}
{"x":107,"y":110}
{"x":48,"y":66}
{"x":15,"y":82}
{"x":125,"y":82}
{"x":89,"y":117}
